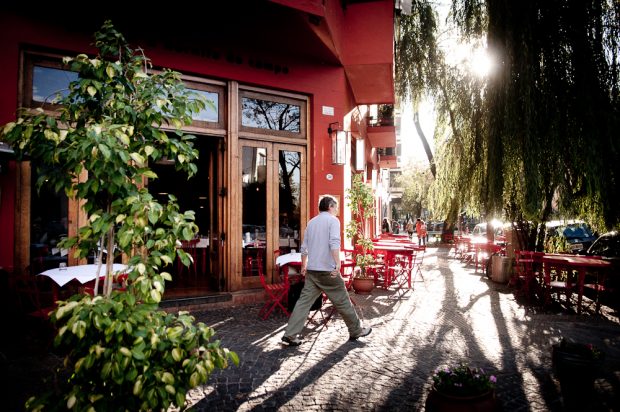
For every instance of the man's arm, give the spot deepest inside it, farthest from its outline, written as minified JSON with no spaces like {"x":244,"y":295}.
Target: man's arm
{"x":304,"y":263}
{"x":336,"y":256}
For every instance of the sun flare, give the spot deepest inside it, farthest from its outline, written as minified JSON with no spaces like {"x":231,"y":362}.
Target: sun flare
{"x":480,"y":62}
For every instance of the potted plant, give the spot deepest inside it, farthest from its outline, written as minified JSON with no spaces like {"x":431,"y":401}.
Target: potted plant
{"x":462,"y":388}
{"x":121,"y":351}
{"x":361,"y":201}
{"x":576,"y":364}
{"x":386,"y":114}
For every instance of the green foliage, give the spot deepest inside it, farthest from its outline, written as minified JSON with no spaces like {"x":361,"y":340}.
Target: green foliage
{"x":122,"y":353}
{"x":540,"y":132}
{"x":361,"y":201}
{"x":557,"y":244}
{"x":416,"y":182}
{"x":129,"y":356}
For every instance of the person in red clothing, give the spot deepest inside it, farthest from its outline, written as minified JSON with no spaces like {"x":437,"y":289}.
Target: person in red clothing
{"x":420,"y":228}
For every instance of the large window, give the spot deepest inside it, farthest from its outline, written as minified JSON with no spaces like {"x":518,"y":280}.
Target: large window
{"x":49,"y":225}
{"x":254,"y":214}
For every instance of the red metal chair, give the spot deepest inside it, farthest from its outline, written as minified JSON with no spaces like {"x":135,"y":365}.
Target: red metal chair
{"x":525,"y":272}
{"x":276,"y":293}
{"x":30,"y":299}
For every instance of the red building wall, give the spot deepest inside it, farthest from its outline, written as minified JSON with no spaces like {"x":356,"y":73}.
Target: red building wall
{"x":331,"y":43}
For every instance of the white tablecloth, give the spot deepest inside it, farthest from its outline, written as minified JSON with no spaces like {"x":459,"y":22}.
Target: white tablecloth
{"x":288,"y":258}
{"x":81,"y":273}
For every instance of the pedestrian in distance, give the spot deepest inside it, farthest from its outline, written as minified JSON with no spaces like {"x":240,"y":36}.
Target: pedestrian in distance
{"x":385,"y":226}
{"x":395,"y":226}
{"x":420,"y":228}
{"x":410,"y":228}
{"x":320,"y":264}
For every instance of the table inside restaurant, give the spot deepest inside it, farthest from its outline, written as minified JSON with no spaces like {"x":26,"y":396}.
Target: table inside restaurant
{"x":289,"y":264}
{"x":569,"y":263}
{"x":81,"y":273}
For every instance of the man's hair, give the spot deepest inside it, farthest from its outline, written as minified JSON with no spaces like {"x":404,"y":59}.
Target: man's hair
{"x":326,"y":203}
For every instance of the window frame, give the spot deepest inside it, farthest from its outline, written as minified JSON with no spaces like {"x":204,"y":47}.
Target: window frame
{"x":302,"y":135}
{"x":30,"y":59}
{"x":220,"y":90}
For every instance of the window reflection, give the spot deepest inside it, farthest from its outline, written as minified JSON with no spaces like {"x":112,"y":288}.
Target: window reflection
{"x":254,"y":204}
{"x":49,"y":213}
{"x":289,"y":195}
{"x":265,"y":114}
{"x":48,"y":84}
{"x":208,"y":114}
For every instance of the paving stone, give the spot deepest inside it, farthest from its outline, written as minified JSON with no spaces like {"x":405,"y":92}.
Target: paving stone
{"x":452,"y":314}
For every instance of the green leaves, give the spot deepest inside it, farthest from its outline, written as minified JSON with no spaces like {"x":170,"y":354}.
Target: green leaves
{"x":122,"y":353}
{"x":155,"y":360}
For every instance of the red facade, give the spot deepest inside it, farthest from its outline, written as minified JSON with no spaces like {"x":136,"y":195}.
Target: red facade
{"x":337,"y":54}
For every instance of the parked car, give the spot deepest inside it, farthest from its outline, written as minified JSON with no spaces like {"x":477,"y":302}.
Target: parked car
{"x":607,"y":245}
{"x":577,"y":235}
{"x":480,"y":230}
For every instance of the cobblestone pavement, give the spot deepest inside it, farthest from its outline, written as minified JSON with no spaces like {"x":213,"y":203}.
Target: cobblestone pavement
{"x":452,"y":314}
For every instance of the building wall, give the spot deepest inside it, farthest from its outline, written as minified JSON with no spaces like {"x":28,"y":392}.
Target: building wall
{"x":321,"y":75}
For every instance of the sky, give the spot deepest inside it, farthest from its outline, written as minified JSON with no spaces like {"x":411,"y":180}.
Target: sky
{"x":412,"y":149}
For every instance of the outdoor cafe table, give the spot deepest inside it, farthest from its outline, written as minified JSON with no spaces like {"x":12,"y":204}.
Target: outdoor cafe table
{"x":570,"y":263}
{"x":391,"y":250}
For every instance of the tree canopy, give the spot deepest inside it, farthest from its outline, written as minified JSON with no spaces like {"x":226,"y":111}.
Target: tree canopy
{"x":539,"y":133}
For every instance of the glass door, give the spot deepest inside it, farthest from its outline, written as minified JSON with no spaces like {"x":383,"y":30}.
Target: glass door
{"x":273,"y":192}
{"x":199,"y":194}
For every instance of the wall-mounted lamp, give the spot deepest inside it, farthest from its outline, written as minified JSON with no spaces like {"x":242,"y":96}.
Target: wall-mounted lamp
{"x":339,"y":143}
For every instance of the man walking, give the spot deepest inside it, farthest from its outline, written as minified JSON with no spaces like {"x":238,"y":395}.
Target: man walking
{"x":320,"y":264}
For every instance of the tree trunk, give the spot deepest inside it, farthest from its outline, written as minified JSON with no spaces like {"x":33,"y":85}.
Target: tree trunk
{"x":427,"y":148}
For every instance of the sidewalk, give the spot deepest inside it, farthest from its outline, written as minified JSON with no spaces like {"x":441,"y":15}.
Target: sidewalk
{"x":452,"y":314}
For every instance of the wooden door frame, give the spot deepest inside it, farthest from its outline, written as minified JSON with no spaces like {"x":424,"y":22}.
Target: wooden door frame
{"x":272,"y":223}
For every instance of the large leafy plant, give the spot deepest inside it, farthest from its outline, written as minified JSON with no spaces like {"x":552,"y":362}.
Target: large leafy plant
{"x":122,"y":353}
{"x":361,"y":202}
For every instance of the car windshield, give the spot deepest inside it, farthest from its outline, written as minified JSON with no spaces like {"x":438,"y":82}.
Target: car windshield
{"x":577,"y":231}
{"x":606,"y":245}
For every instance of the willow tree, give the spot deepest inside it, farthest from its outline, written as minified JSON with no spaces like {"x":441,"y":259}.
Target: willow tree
{"x":539,"y":133}
{"x":553,"y":107}
{"x":122,"y":352}
{"x":422,"y":69}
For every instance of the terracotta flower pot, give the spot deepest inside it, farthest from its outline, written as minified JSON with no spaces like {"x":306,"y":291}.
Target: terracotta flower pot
{"x":441,"y":402}
{"x":363,"y":285}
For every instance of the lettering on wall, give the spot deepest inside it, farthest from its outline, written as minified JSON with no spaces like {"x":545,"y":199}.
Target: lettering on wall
{"x":230,"y":57}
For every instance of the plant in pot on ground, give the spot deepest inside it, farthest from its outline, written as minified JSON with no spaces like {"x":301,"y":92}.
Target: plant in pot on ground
{"x":121,"y":352}
{"x":462,"y":388}
{"x":575,"y":361}
{"x":361,"y":202}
